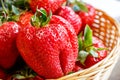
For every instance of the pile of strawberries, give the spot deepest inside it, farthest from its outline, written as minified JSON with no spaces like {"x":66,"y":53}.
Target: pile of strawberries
{"x":47,"y":39}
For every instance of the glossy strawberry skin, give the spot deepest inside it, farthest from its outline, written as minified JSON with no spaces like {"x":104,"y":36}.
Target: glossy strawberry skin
{"x":90,"y":60}
{"x":52,"y":5}
{"x":24,"y":19}
{"x":87,"y":17}
{"x":67,"y":13}
{"x":51,"y":48}
{"x":8,"y":49}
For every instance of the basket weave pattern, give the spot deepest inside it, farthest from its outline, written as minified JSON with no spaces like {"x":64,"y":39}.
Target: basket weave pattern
{"x":107,"y":30}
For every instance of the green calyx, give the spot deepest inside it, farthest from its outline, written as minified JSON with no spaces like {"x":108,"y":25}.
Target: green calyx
{"x":9,"y":12}
{"x":41,"y":18}
{"x":21,"y":4}
{"x":86,"y":45}
{"x":24,"y":73}
{"x":77,"y":5}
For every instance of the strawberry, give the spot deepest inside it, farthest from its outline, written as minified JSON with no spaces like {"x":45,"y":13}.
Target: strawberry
{"x":85,"y":11}
{"x":49,"y":49}
{"x":52,"y":5}
{"x":91,"y":49}
{"x":87,"y":17}
{"x":8,"y":49}
{"x":24,"y":19}
{"x":8,"y":33}
{"x":67,"y":13}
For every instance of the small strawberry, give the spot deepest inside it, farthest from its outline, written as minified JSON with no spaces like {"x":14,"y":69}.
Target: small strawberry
{"x":86,"y":11}
{"x":49,"y":49}
{"x":8,"y":33}
{"x":91,"y":49}
{"x":87,"y":17}
{"x":24,"y":19}
{"x":52,"y":5}
{"x":8,"y":49}
{"x":67,"y":13}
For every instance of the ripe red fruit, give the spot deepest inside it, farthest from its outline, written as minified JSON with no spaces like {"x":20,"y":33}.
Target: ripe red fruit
{"x":87,"y":17}
{"x":91,"y":49}
{"x":8,"y":49}
{"x":51,"y":50}
{"x":24,"y":19}
{"x":91,"y":60}
{"x":48,"y":5}
{"x":67,"y":13}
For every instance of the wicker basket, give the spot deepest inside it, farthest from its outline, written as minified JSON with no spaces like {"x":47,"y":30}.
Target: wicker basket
{"x":107,"y":30}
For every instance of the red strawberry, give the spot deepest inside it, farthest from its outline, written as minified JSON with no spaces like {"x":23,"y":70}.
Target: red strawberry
{"x":87,"y":17}
{"x":8,"y":49}
{"x":91,"y":50}
{"x":24,"y":19}
{"x":51,"y":50}
{"x":8,"y":33}
{"x":52,"y":5}
{"x":85,"y":11}
{"x":91,"y":60}
{"x":67,"y":13}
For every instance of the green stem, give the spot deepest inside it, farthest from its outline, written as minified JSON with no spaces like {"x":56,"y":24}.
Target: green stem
{"x":3,"y":6}
{"x":41,"y":18}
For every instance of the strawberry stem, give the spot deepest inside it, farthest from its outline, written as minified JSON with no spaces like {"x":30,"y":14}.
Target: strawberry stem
{"x":86,"y":45}
{"x":3,"y":6}
{"x":9,"y":12}
{"x":22,"y":4}
{"x":40,"y":18}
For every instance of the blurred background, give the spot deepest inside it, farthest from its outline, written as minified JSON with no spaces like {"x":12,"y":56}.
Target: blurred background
{"x":112,"y":8}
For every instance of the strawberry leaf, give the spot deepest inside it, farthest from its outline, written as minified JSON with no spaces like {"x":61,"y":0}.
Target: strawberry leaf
{"x":87,"y":37}
{"x":80,"y":41}
{"x":35,"y":21}
{"x":82,"y":56}
{"x":41,"y":18}
{"x":15,"y":10}
{"x":100,"y":49}
{"x":3,"y":7}
{"x":22,"y":4}
{"x":70,"y":72}
{"x":46,"y":18}
{"x":93,"y":53}
{"x":81,"y":5}
{"x":18,"y":76}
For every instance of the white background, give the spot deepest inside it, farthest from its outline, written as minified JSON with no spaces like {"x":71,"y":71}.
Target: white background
{"x":112,"y":7}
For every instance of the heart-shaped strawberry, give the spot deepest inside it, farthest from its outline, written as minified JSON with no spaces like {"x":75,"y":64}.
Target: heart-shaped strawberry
{"x":49,"y":49}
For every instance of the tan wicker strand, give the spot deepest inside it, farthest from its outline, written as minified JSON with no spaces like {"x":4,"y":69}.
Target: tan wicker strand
{"x":106,"y":29}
